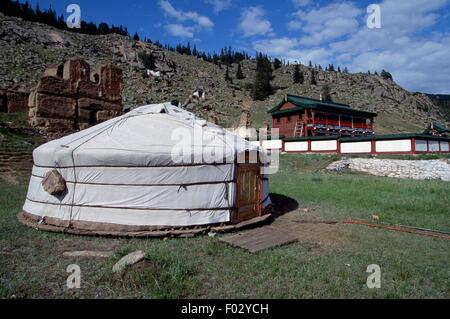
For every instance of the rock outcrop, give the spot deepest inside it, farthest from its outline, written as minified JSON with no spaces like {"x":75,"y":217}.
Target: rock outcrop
{"x":70,"y":98}
{"x":13,"y":101}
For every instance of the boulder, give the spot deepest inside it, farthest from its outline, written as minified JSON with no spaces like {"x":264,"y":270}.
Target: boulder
{"x":53,"y":183}
{"x":128,"y":260}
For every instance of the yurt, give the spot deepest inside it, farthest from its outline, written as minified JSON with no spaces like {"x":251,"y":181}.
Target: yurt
{"x":155,"y":170}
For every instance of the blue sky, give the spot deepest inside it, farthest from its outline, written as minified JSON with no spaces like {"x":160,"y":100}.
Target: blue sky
{"x":413,"y":42}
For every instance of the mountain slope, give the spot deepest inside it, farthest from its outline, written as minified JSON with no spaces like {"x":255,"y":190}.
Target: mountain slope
{"x":27,"y":48}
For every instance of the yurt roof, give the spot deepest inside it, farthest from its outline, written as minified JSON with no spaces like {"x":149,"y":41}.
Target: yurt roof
{"x":146,"y":136}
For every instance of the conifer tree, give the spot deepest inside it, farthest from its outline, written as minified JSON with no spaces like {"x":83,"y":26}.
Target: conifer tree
{"x":386,"y":75}
{"x":276,"y":64}
{"x":239,"y":74}
{"x":262,"y":87}
{"x":227,"y":75}
{"x":298,"y":75}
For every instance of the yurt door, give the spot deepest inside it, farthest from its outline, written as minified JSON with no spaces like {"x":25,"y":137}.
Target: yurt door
{"x":248,"y":197}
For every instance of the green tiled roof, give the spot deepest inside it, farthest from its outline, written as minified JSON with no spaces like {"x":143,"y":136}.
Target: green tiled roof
{"x":302,"y":103}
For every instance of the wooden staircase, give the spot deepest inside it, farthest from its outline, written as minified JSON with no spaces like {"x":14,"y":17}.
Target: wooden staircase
{"x":299,"y":129}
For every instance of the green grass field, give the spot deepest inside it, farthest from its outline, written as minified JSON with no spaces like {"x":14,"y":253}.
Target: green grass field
{"x":324,"y":265}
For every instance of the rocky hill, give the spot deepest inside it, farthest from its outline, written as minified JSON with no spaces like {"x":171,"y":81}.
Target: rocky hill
{"x":27,"y":48}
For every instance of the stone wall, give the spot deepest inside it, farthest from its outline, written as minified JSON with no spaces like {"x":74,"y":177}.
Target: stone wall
{"x":13,"y":101}
{"x":414,"y":169}
{"x":70,"y":98}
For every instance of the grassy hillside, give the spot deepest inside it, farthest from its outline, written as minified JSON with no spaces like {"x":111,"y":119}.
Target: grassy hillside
{"x":27,"y":48}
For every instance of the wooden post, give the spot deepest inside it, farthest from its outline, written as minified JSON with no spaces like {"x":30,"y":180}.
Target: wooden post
{"x":374,"y":147}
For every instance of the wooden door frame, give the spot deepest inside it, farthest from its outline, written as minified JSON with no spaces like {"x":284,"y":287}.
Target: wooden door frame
{"x":255,"y":168}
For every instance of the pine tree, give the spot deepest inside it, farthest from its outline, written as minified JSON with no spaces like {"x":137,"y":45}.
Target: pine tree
{"x":386,"y":75}
{"x":339,"y":69}
{"x":276,"y":64}
{"x":103,"y":28}
{"x":261,"y":87}
{"x":239,"y":74}
{"x":136,"y":37}
{"x":345,"y":70}
{"x":310,"y":64}
{"x":147,"y":59}
{"x":298,"y":75}
{"x":227,"y":75}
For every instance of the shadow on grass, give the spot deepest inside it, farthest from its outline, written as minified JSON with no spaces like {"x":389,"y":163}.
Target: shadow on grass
{"x":282,"y":204}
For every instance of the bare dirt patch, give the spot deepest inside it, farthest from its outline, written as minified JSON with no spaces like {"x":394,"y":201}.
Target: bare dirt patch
{"x":306,"y":224}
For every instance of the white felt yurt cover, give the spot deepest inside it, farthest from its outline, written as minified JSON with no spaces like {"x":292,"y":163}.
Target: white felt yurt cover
{"x":147,"y":167}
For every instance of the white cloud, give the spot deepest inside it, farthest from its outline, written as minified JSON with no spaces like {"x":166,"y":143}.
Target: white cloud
{"x":291,"y":50}
{"x":219,"y":5}
{"x":326,"y":23}
{"x":253,"y":22}
{"x":418,"y":58}
{"x":410,"y":15}
{"x":180,"y":29}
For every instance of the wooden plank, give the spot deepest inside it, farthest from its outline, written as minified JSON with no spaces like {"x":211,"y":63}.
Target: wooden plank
{"x":256,"y":240}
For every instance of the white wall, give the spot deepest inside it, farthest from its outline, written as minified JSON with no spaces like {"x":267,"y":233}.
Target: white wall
{"x":434,"y":146}
{"x":356,"y":147}
{"x":393,"y":146}
{"x":444,"y":146}
{"x":421,"y":146}
{"x":296,"y":146}
{"x":324,"y":145}
{"x":272,"y":145}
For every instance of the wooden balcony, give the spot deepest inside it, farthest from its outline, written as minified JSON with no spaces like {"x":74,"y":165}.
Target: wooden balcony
{"x":340,"y":124}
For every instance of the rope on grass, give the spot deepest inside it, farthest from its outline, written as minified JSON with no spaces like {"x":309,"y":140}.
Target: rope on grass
{"x":404,"y":229}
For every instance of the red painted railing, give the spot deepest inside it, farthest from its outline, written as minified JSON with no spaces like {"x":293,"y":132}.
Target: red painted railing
{"x":341,"y":124}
